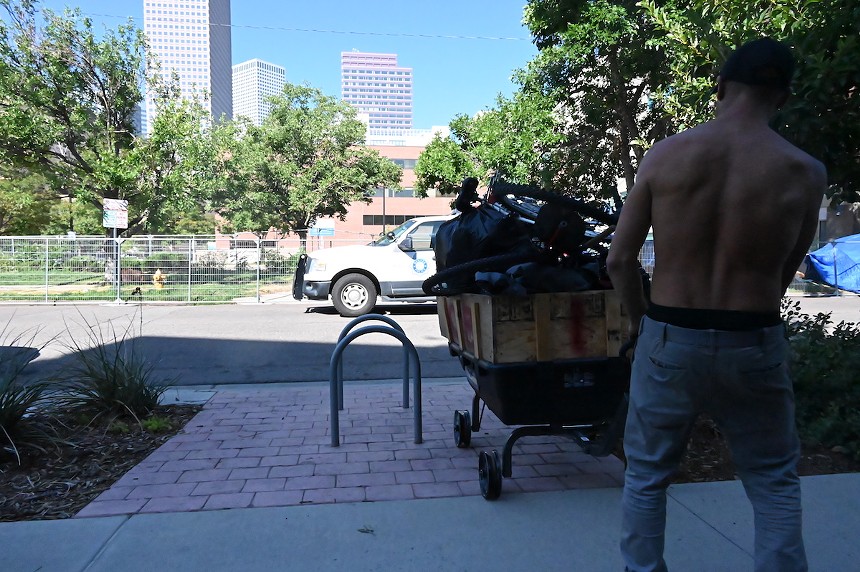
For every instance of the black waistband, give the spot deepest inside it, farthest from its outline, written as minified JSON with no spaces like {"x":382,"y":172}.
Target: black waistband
{"x":703,"y":319}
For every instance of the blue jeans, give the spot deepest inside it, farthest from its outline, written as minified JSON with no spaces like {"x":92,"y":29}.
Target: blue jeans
{"x":741,"y":380}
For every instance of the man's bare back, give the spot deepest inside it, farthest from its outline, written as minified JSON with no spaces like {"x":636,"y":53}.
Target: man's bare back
{"x":733,"y":207}
{"x":733,"y":211}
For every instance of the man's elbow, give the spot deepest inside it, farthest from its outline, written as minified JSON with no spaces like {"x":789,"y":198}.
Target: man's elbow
{"x":617,"y":263}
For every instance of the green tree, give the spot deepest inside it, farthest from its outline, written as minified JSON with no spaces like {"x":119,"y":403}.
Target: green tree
{"x":25,"y":204}
{"x":79,"y":216}
{"x":67,"y":103}
{"x":583,"y":116}
{"x":442,"y":165}
{"x":176,"y":167}
{"x":823,"y":116}
{"x":305,"y":161}
{"x":598,"y":65}
{"x":514,"y":140}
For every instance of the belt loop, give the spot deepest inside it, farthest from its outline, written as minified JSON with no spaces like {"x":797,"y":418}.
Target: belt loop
{"x":665,"y":333}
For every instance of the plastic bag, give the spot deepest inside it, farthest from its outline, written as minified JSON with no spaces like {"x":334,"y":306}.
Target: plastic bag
{"x":478,"y":233}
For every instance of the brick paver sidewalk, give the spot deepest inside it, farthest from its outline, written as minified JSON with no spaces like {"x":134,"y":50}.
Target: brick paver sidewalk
{"x":272,"y":447}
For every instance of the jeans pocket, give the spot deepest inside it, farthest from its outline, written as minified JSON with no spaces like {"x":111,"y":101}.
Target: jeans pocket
{"x":657,"y":362}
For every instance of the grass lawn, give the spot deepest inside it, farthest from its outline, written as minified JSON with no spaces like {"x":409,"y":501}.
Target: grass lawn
{"x":65,"y":286}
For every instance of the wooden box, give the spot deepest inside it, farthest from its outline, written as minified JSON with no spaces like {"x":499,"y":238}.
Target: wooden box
{"x":540,"y":327}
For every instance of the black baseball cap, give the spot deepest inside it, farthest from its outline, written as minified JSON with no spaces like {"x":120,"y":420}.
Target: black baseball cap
{"x":764,"y":62}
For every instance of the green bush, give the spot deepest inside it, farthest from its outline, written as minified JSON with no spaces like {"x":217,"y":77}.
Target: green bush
{"x":19,"y":428}
{"x":825,"y":365}
{"x":277,"y":263}
{"x":109,"y":377}
{"x":26,"y":256}
{"x":84,"y":263}
{"x":168,"y":261}
{"x":129,"y":263}
{"x":156,"y":424}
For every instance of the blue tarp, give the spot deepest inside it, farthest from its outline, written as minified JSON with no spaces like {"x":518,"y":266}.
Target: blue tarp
{"x":837,"y":264}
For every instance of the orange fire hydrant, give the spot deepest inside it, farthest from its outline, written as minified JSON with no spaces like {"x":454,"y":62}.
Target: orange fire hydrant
{"x":158,"y":279}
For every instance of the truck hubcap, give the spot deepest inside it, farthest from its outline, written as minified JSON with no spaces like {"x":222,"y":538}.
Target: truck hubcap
{"x":354,"y":295}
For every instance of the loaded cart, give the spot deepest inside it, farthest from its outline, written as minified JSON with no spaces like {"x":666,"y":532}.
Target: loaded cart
{"x":549,"y":363}
{"x":528,"y":308}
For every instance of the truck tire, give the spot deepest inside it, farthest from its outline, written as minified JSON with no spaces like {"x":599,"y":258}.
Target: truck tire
{"x":354,"y":295}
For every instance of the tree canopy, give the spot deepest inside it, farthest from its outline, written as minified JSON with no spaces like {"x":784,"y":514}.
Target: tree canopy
{"x":612,"y":77}
{"x":68,"y":99}
{"x":307,"y":160}
{"x":823,"y":115}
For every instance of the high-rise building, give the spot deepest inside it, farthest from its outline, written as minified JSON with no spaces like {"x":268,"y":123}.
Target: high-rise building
{"x":379,"y":88}
{"x":254,"y":82}
{"x":192,"y":39}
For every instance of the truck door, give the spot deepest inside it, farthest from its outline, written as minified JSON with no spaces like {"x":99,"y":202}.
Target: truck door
{"x":419,"y":261}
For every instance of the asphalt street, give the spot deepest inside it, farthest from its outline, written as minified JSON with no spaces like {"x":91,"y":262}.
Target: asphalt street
{"x":286,"y":341}
{"x":273,"y":342}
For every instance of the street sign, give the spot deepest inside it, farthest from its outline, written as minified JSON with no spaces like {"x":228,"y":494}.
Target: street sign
{"x":115,"y":213}
{"x":323,"y":227}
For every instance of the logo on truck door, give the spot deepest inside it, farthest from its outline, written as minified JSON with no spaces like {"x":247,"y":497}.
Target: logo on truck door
{"x":419,"y":265}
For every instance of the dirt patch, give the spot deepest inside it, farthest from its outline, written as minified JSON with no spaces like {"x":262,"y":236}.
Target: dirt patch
{"x":708,"y":458}
{"x":85,"y":462}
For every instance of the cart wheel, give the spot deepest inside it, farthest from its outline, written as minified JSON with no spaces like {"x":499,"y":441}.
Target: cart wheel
{"x":490,"y":474}
{"x":462,"y":429}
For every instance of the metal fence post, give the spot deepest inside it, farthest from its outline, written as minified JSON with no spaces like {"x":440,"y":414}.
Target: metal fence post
{"x":116,"y":243}
{"x":190,"y":258}
{"x":46,"y":269}
{"x":259,"y":260}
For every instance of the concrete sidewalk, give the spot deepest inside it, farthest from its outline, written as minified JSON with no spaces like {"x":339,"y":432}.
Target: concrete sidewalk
{"x":709,"y":530}
{"x":252,"y":483}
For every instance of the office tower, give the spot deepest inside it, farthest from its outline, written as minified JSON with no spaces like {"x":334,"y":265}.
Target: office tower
{"x":254,"y":82}
{"x":192,"y":38}
{"x":379,"y":88}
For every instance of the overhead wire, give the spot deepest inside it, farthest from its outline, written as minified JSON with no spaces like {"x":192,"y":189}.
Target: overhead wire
{"x":342,"y":32}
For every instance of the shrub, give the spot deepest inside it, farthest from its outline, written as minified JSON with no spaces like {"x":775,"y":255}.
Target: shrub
{"x":19,"y":427}
{"x":825,"y":364}
{"x":84,"y":263}
{"x":275,"y":262}
{"x":156,"y":424}
{"x":132,"y":263}
{"x":212,"y":261}
{"x":110,"y":377}
{"x":168,"y":261}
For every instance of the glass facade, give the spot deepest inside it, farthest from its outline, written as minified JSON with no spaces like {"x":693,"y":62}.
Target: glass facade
{"x":254,"y":82}
{"x":380,"y":89}
{"x":191,"y":38}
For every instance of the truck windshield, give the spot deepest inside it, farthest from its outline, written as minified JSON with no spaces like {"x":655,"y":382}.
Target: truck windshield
{"x":393,"y":235}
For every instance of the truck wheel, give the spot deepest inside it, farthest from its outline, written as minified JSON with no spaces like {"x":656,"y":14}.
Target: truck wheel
{"x":354,"y":295}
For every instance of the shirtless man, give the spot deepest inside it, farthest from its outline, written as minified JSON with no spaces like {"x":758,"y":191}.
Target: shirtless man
{"x":734,"y":209}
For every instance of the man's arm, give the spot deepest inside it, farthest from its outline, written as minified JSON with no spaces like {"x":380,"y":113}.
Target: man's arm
{"x":623,"y":260}
{"x":817,"y":186}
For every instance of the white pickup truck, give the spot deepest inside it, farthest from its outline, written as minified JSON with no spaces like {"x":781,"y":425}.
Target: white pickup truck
{"x":392,"y":267}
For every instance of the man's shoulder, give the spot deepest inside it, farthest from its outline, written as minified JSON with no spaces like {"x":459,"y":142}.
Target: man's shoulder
{"x":684,"y":138}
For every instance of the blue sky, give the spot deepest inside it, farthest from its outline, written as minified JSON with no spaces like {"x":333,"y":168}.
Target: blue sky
{"x":452,"y":75}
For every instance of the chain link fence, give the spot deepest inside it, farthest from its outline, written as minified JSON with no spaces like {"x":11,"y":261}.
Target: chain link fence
{"x":201,"y":269}
{"x":186,"y":269}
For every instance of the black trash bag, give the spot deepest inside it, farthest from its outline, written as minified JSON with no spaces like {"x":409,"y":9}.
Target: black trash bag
{"x":479,"y":232}
{"x":540,"y":278}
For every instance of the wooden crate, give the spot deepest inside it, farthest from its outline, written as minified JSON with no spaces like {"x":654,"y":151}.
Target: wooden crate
{"x":541,"y":327}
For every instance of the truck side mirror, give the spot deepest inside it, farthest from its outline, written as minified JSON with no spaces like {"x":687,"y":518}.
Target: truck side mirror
{"x":406,"y":244}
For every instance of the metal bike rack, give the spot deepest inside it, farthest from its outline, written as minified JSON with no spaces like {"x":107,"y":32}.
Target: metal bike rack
{"x":393,"y":324}
{"x":336,"y":381}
